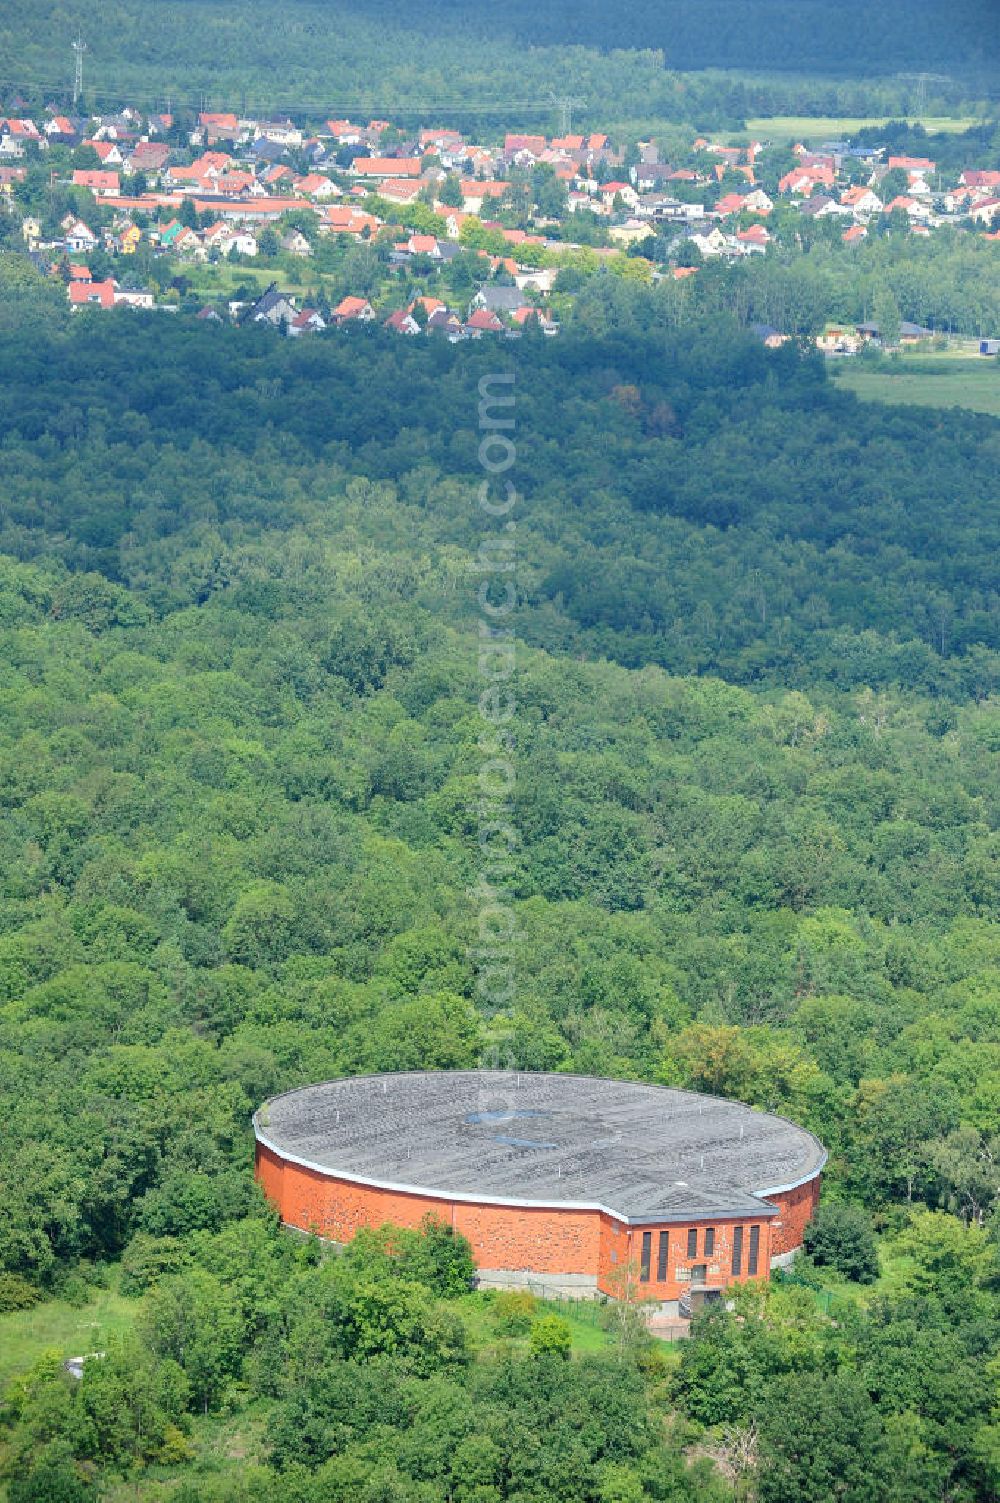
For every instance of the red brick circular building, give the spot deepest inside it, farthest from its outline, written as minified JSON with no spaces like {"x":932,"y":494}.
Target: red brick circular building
{"x":562,"y":1180}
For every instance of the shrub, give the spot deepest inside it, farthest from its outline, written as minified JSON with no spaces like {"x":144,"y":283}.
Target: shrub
{"x":551,"y":1337}
{"x":54,"y":1477}
{"x":513,"y":1312}
{"x":439,"y":1258}
{"x":75,"y":1291}
{"x":841,"y":1237}
{"x":149,"y":1259}
{"x":16,"y":1293}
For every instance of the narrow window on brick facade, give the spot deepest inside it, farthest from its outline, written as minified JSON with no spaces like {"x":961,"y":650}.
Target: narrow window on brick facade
{"x":709,"y":1247}
{"x":754,"y":1250}
{"x":661,"y":1257}
{"x":737,"y":1250}
{"x":647,"y":1251}
{"x":693,"y":1242}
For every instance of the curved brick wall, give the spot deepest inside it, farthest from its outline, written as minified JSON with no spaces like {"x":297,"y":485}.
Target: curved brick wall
{"x":576,"y":1245}
{"x":795,"y":1211}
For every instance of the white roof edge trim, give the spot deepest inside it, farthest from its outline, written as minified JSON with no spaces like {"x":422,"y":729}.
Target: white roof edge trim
{"x":795,"y":1184}
{"x":502,"y":1200}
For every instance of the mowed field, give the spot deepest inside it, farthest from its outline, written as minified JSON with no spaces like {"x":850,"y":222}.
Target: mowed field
{"x":927,"y":381}
{"x":62,"y":1329}
{"x":836,"y":128}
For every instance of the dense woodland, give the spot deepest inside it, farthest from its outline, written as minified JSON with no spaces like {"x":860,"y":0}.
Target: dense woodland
{"x":810,"y":35}
{"x":455,"y":62}
{"x":757,"y":791}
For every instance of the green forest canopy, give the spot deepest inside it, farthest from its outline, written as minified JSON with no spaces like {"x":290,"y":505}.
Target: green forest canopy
{"x":441,"y":59}
{"x":757,"y":794}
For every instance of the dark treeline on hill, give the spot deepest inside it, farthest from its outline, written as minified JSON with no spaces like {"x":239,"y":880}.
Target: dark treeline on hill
{"x":239,"y":756}
{"x":850,"y":36}
{"x":496,"y":68}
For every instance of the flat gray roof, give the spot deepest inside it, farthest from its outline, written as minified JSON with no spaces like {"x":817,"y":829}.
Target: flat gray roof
{"x":642,"y":1152}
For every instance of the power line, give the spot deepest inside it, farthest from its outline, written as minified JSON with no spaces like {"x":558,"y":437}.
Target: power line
{"x":565,"y":104}
{"x":299,"y":106}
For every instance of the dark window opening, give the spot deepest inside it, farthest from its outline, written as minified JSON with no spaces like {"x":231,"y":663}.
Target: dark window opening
{"x":737,"y":1250}
{"x":754,"y":1250}
{"x":709,"y":1248}
{"x":647,"y":1250}
{"x":661,"y":1256}
{"x":693,"y":1242}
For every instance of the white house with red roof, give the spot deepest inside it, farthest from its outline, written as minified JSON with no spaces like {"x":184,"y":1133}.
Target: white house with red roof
{"x":911,"y":206}
{"x":424,"y":245}
{"x":754,"y":239}
{"x":21,"y":130}
{"x":523,"y":148}
{"x":440,"y":140}
{"x":309,"y":321}
{"x":100,"y":183}
{"x":347,"y":219}
{"x":91,"y":294}
{"x":78,"y":236}
{"x":227,"y":238}
{"x":402,"y":167}
{"x":922,"y":165}
{"x":351,"y":310}
{"x":863,"y":202}
{"x":109,"y":153}
{"x":314,"y":185}
{"x":729,"y":203}
{"x":525,"y":316}
{"x":985,"y":211}
{"x":399,"y":190}
{"x":608,"y":192}
{"x":805,"y":180}
{"x":478,"y":191}
{"x":483,"y":321}
{"x":225,"y":121}
{"x":402,"y":322}
{"x":346,"y":134}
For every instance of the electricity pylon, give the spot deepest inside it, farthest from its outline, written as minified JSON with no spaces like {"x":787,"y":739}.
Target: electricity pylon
{"x":566,"y":104}
{"x":922,"y":80}
{"x":79,"y":47}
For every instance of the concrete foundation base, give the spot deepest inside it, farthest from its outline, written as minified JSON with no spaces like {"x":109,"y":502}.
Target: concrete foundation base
{"x":785,"y":1259}
{"x":545,"y":1285}
{"x":668,"y":1309}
